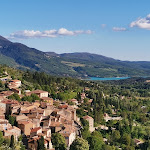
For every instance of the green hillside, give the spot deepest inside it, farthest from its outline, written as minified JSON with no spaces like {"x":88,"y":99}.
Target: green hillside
{"x":20,"y":56}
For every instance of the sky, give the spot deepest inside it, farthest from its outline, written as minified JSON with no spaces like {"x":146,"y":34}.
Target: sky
{"x":114,"y":28}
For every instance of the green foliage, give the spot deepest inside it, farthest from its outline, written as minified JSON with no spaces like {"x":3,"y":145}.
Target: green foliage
{"x":84,"y":122}
{"x":1,"y":138}
{"x":78,"y":64}
{"x":34,"y":97}
{"x":20,"y":138}
{"x":6,"y":141}
{"x":96,"y":141}
{"x":126,"y":139}
{"x":108,"y":147}
{"x":41,"y":143}
{"x":116,"y":136}
{"x":15,"y":97}
{"x":27,"y":98}
{"x":128,"y":99}
{"x":12,"y":120}
{"x":66,"y":95}
{"x":85,"y":131}
{"x":58,"y":141}
{"x":79,"y":144}
{"x":22,"y":147}
{"x":31,"y":98}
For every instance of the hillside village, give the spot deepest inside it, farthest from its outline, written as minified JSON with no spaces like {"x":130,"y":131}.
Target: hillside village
{"x":40,"y":118}
{"x":43,"y":115}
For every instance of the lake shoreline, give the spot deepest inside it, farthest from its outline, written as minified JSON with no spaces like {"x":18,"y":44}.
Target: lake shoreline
{"x":106,"y":79}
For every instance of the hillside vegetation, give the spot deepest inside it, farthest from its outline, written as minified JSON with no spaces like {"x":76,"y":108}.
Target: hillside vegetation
{"x":128,"y":99}
{"x":82,"y":65}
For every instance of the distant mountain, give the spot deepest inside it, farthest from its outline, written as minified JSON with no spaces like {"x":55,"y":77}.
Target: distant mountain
{"x":68,"y":64}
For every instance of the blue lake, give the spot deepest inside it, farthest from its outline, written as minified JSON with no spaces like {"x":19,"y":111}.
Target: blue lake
{"x":107,"y":79}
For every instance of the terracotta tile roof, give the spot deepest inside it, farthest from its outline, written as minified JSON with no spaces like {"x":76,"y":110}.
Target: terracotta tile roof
{"x":87,"y":117}
{"x":41,"y":134}
{"x":39,"y":91}
{"x":56,"y":124}
{"x":74,"y":100}
{"x":15,"y":81}
{"x":67,"y":131}
{"x":2,"y":97}
{"x":9,"y":101}
{"x":35,"y":129}
{"x":24,"y":122}
{"x":63,"y":106}
{"x":35,"y":138}
{"x":47,"y":98}
{"x":6,"y":93}
{"x":24,"y":111}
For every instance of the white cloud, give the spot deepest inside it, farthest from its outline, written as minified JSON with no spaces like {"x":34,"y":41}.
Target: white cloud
{"x":119,"y":29}
{"x":64,"y":31}
{"x":143,"y":23}
{"x":26,"y":34}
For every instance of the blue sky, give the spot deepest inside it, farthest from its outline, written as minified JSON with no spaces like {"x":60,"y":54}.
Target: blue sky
{"x":114,"y":28}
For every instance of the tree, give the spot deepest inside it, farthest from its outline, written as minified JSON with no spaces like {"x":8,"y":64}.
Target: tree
{"x":12,"y":120}
{"x":79,"y":144}
{"x":108,"y":147}
{"x":78,"y":96}
{"x":58,"y":141}
{"x":116,"y":136}
{"x":1,"y":138}
{"x":34,"y":97}
{"x":41,"y":143}
{"x":126,"y":139}
{"x":6,"y":141}
{"x":95,"y":141}
{"x":85,"y":131}
{"x":22,"y":147}
{"x":12,"y":142}
{"x":27,"y":98}
{"x":14,"y":96}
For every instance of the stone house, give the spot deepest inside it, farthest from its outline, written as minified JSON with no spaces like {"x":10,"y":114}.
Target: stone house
{"x":91,"y":122}
{"x":39,"y":93}
{"x":12,"y":131}
{"x":69,"y":133}
{"x":48,"y":100}
{"x":35,"y":131}
{"x":25,"y":126}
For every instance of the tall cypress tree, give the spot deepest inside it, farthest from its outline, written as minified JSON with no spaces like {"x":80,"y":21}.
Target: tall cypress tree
{"x":12,"y":142}
{"x":41,"y":143}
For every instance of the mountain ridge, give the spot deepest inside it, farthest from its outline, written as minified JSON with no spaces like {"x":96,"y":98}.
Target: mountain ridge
{"x":77,"y":64}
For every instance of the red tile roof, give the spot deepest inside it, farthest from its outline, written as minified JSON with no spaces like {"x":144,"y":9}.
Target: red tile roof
{"x":35,"y":129}
{"x":63,"y":106}
{"x":87,"y":117}
{"x":15,"y":81}
{"x":39,"y":91}
{"x":9,"y":101}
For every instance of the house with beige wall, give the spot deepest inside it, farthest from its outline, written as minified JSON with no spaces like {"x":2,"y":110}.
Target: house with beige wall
{"x":91,"y":122}
{"x":16,"y":132}
{"x":25,"y":126}
{"x":39,"y":93}
{"x":69,"y":133}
